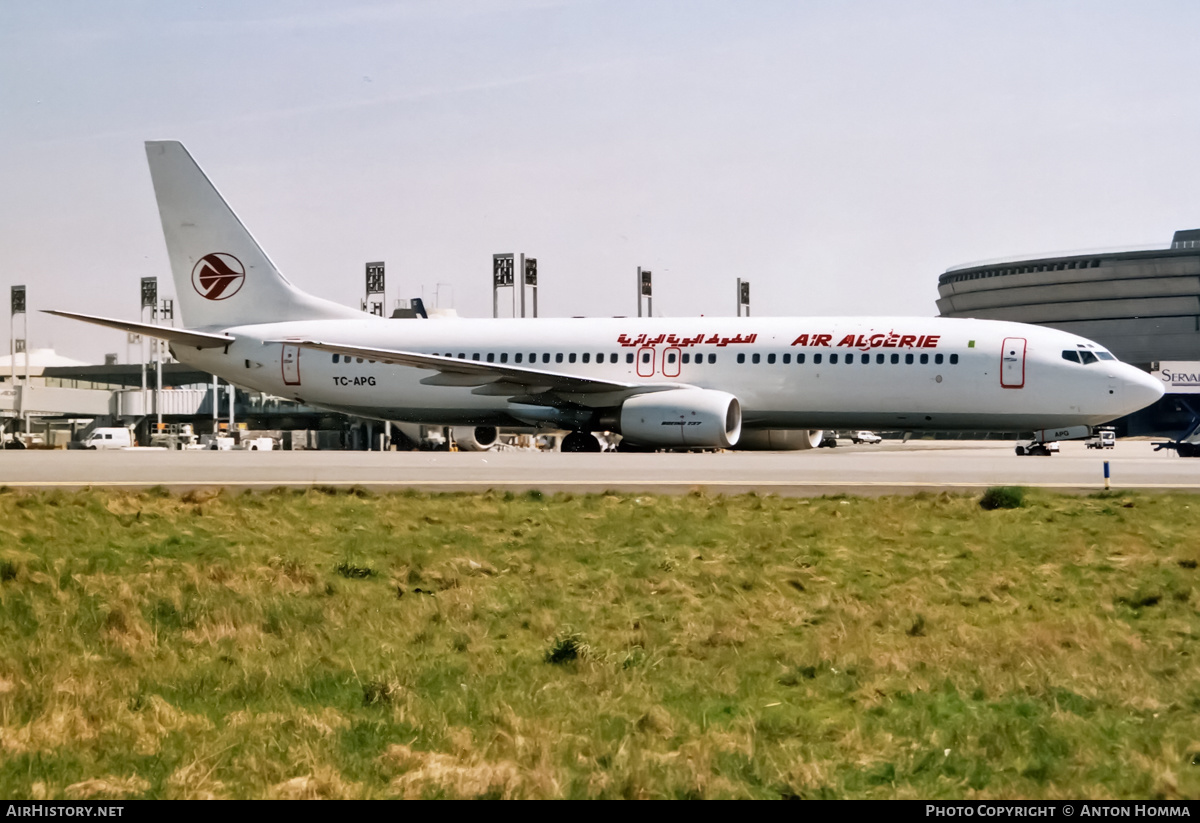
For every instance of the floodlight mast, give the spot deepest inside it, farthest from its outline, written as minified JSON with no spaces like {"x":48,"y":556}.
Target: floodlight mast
{"x":149,"y":301}
{"x":18,"y":345}
{"x":645,"y":289}
{"x":529,"y":268}
{"x":375,"y":286}
{"x":743,"y":297}
{"x":502,"y":277}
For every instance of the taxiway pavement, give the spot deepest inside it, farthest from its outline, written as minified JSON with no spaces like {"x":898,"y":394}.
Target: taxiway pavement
{"x":889,"y":468}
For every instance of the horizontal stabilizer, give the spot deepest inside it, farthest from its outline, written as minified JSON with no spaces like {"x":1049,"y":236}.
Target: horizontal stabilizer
{"x":195,"y":339}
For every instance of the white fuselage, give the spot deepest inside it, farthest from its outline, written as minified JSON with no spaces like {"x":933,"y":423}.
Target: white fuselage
{"x":787,"y":373}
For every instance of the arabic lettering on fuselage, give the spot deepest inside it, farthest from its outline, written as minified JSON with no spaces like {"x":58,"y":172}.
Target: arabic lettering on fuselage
{"x":865,"y":342}
{"x":682,"y":342}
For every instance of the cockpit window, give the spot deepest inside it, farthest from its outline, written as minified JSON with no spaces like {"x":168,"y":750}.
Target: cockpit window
{"x":1071,"y":355}
{"x":1087,"y":357}
{"x":1103,"y":355}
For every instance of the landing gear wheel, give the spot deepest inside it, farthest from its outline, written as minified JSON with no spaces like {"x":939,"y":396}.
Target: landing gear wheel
{"x":1020,"y":451}
{"x":580,"y":442}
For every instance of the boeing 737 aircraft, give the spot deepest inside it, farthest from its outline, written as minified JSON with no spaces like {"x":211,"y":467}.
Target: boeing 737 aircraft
{"x":687,"y":382}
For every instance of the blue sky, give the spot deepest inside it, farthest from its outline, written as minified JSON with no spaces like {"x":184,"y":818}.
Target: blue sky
{"x":839,"y":155}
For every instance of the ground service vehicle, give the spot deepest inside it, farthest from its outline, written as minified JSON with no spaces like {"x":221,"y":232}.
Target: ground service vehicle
{"x":1102,"y":439}
{"x":113,"y":437}
{"x":865,"y":437}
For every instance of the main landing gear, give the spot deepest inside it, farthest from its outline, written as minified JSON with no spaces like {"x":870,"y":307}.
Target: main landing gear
{"x":578,"y":441}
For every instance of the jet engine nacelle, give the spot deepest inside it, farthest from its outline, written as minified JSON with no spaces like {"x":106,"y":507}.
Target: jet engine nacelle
{"x":682,"y":418}
{"x":475,"y":438}
{"x":780,"y":440}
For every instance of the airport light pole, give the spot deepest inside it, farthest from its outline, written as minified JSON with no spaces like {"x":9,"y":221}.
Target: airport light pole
{"x":17,"y":345}
{"x":163,"y":311}
{"x":529,"y":268}
{"x":743,"y":297}
{"x":149,"y":301}
{"x":502,"y":277}
{"x":645,"y":290}
{"x":375,"y":285}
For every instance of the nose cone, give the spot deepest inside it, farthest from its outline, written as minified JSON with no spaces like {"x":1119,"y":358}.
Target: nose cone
{"x":1138,"y":389}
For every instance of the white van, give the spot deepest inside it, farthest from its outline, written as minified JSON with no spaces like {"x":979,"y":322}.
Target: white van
{"x":109,"y":438}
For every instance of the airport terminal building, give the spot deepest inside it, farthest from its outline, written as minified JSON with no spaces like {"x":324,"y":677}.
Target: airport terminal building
{"x":1143,"y":305}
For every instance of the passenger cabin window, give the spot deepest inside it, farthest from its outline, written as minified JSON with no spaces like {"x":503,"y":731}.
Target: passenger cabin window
{"x":937,"y":358}
{"x":670,"y":357}
{"x":612,"y":358}
{"x":646,"y":357}
{"x":546,"y":357}
{"x":800,"y":359}
{"x":924,"y":359}
{"x":571,"y":357}
{"x":712,"y":358}
{"x":755,"y":358}
{"x":558,"y":357}
{"x":628,"y":357}
{"x":879,"y":358}
{"x":475,"y":356}
{"x":895,"y":359}
{"x":517,"y":357}
{"x":832,"y":359}
{"x":954,"y":360}
{"x":491,"y":358}
{"x":335,"y":358}
{"x":817,"y":359}
{"x":771,"y":359}
{"x":587,"y":357}
{"x":787,"y":358}
{"x":908,"y":358}
{"x":504,"y":357}
{"x":742,"y":358}
{"x":684,"y":358}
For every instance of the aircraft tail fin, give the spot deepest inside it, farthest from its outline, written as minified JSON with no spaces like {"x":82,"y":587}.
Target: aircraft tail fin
{"x":222,"y":276}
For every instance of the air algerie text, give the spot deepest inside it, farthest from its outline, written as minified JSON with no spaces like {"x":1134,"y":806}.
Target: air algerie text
{"x":891,"y":340}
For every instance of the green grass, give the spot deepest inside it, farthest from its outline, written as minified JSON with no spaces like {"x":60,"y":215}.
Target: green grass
{"x":326,"y":644}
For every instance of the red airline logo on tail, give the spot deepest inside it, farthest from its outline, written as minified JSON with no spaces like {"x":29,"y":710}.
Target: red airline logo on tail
{"x":218,"y":276}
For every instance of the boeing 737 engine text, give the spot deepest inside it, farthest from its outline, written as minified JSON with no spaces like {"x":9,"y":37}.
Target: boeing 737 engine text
{"x":661,"y":383}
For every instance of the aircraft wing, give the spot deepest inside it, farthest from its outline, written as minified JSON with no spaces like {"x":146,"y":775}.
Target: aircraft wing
{"x":489,"y":378}
{"x":195,"y":339}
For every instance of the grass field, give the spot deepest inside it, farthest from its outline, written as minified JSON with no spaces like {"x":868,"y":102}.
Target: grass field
{"x":332,"y":644}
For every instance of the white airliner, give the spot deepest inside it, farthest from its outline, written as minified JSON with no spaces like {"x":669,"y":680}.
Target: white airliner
{"x":659,"y":382}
